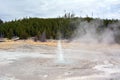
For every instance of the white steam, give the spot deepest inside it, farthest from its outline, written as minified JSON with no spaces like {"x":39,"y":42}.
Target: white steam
{"x":94,"y":32}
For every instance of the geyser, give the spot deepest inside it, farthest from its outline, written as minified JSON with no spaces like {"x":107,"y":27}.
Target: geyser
{"x":60,"y":55}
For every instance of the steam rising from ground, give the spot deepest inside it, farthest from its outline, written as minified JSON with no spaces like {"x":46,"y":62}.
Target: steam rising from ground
{"x":84,"y":62}
{"x":95,"y":32}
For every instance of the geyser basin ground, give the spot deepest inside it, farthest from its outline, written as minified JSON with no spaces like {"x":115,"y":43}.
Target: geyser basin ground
{"x":37,"y":62}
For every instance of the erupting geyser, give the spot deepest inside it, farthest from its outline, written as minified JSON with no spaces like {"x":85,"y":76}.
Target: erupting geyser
{"x":60,"y":56}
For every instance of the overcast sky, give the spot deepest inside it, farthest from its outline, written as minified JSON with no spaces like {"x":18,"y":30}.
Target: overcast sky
{"x":16,"y":9}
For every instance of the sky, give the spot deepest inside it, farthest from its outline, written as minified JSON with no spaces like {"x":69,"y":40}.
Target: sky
{"x":18,"y":9}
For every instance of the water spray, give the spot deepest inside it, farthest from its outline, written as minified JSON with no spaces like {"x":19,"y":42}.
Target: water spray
{"x":60,"y":55}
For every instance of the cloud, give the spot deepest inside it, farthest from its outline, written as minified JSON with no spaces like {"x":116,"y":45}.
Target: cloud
{"x":15,"y":9}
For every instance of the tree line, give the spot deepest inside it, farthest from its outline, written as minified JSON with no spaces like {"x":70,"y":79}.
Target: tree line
{"x":50,"y":27}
